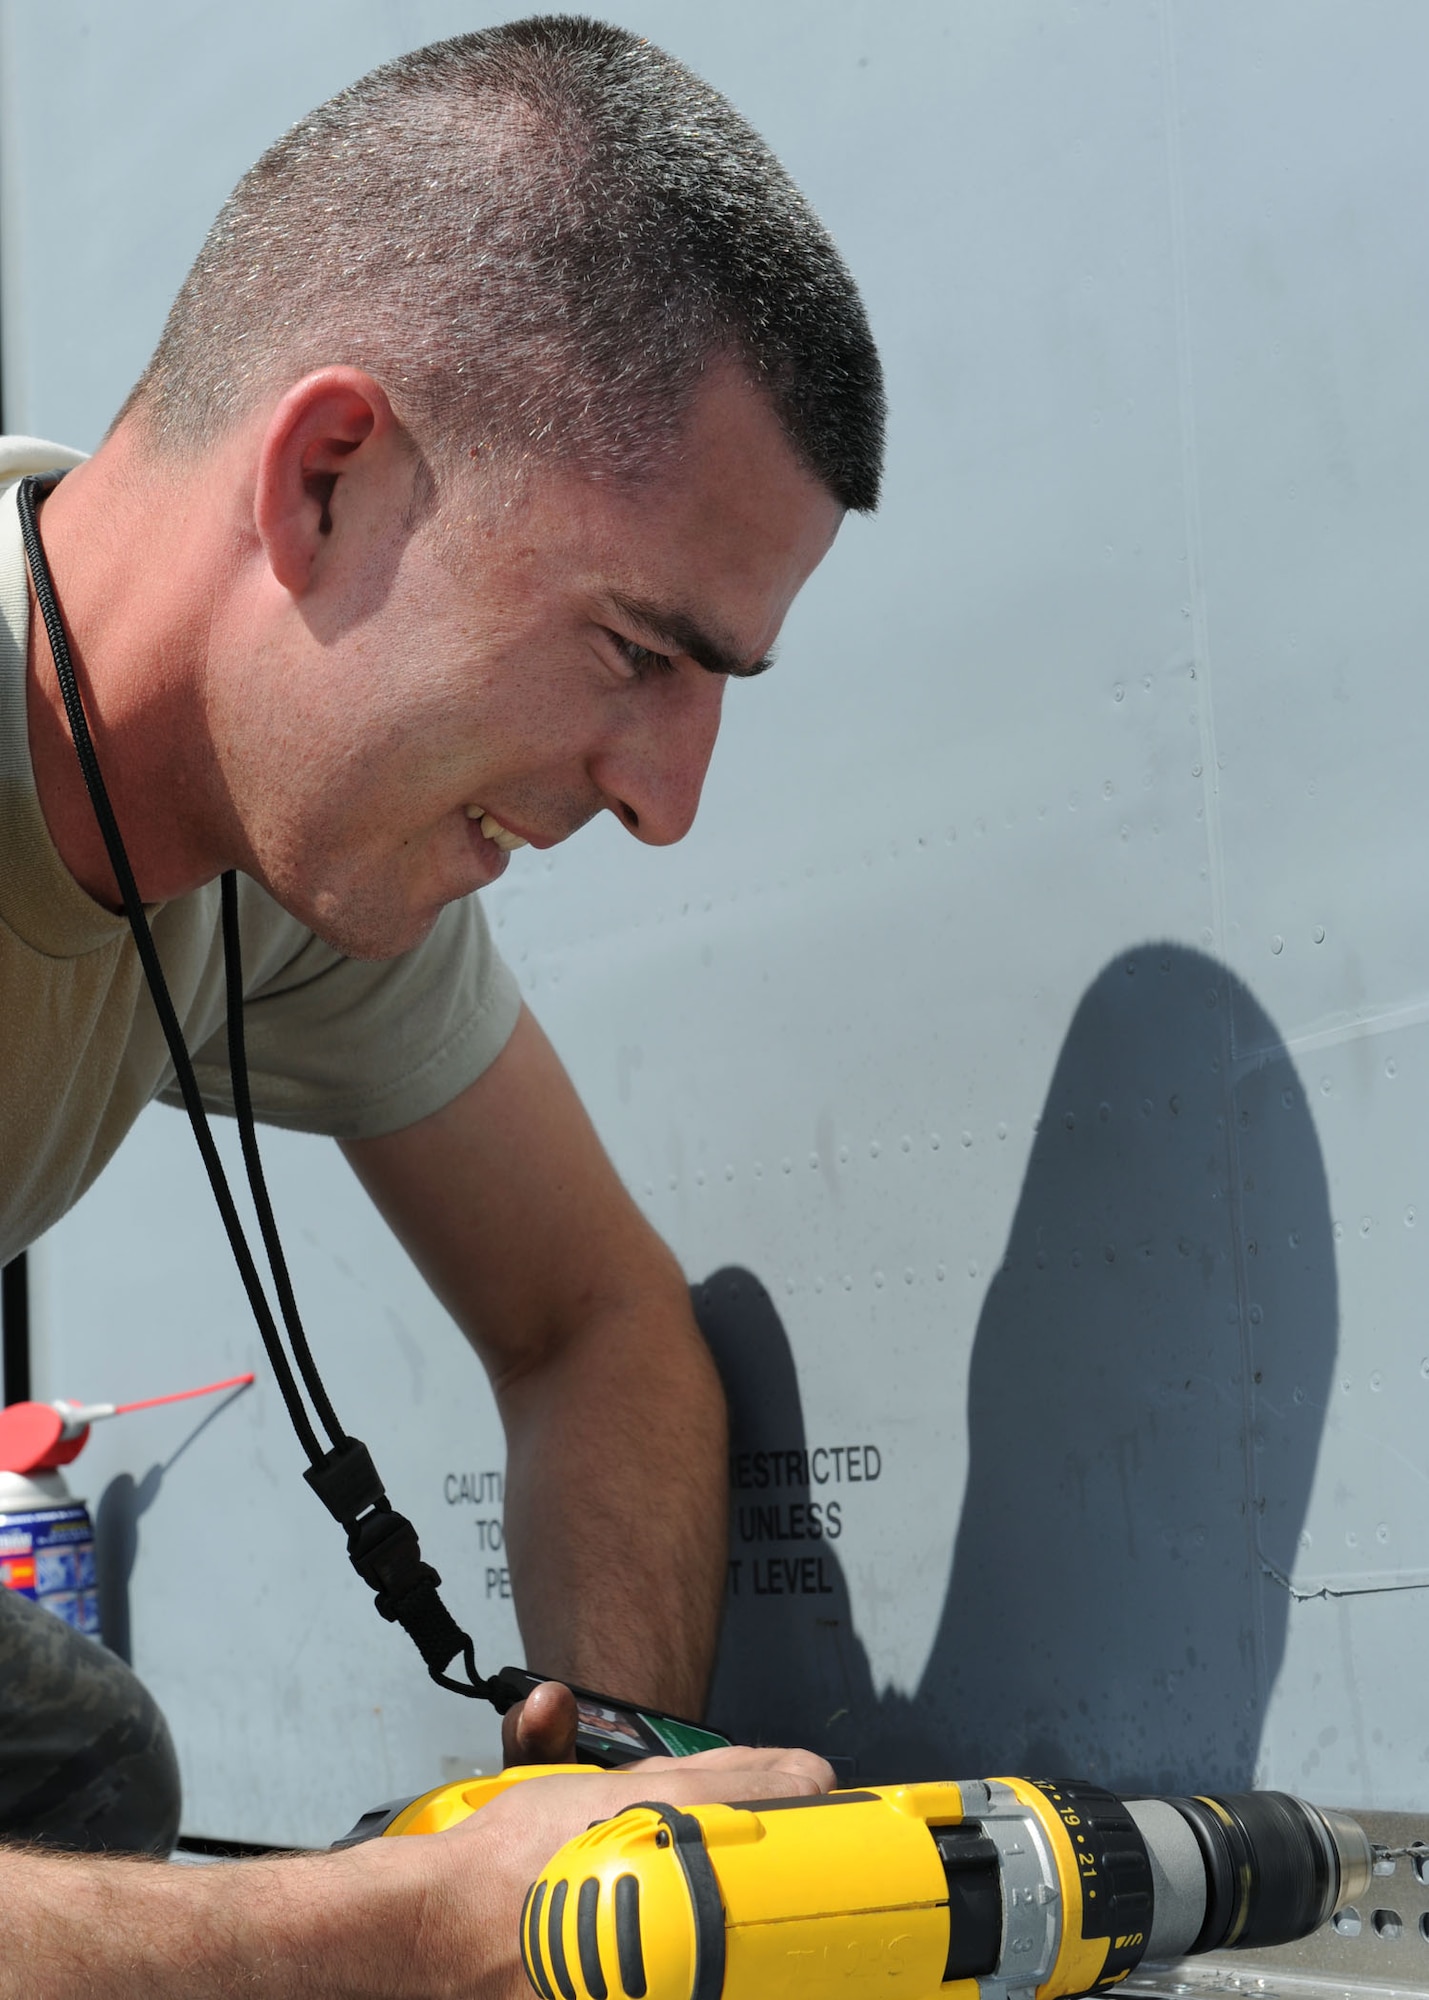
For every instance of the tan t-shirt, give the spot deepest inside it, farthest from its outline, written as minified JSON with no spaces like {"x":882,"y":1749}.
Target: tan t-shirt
{"x":334,"y":1045}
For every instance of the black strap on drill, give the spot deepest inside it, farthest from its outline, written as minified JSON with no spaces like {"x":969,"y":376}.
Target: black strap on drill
{"x":381,"y":1543}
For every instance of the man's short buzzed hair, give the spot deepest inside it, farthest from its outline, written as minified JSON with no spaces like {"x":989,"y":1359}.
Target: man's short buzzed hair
{"x":537,"y":238}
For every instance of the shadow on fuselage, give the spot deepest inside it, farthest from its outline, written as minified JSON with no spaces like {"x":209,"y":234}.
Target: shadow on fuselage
{"x":1138,"y":1454}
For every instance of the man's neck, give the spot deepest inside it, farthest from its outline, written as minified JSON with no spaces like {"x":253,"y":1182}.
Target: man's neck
{"x":124,"y":556}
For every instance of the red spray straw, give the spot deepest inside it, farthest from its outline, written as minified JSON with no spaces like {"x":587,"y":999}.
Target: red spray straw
{"x":178,"y":1396}
{"x":40,"y":1437}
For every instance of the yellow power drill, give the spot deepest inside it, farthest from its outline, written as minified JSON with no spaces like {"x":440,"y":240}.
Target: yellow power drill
{"x":983,"y":1889}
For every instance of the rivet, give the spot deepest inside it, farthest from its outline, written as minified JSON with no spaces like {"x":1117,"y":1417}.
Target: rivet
{"x":1277,"y":945}
{"x":1318,"y":934}
{"x":967,"y":1138}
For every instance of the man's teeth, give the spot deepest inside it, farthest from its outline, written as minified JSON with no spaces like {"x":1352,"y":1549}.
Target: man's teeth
{"x":495,"y":832}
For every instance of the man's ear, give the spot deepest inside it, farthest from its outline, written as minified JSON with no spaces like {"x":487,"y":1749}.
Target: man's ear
{"x":327,"y":428}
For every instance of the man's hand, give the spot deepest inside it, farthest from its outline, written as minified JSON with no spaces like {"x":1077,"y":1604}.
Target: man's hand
{"x":510,"y":1841}
{"x":402,"y":1919}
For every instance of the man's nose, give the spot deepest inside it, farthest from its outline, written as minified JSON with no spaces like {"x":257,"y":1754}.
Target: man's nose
{"x":653,"y":777}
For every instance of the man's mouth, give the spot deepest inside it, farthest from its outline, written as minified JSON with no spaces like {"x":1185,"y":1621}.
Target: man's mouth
{"x":499,"y":835}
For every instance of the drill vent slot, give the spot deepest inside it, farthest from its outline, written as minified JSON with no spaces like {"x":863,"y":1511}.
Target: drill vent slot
{"x":627,"y":1936}
{"x":556,"y":1943}
{"x":531,"y":1941}
{"x":587,"y":1943}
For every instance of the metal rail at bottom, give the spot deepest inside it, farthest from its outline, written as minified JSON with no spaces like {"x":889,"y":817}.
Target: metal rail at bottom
{"x":1374,"y":1950}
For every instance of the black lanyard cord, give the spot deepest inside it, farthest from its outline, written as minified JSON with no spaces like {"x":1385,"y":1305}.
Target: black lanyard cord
{"x":252,"y":1160}
{"x":381,"y":1543}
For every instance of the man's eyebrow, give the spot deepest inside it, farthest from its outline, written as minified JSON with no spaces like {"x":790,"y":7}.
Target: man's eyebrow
{"x":683,"y":634}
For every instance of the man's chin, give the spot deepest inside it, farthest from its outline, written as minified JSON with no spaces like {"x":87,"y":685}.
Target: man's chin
{"x":365,"y":934}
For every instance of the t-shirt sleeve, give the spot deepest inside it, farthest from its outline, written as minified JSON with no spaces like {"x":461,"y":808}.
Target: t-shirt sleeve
{"x":354,"y":1049}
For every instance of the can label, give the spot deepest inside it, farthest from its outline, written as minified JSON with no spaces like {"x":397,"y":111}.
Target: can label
{"x":47,"y":1555}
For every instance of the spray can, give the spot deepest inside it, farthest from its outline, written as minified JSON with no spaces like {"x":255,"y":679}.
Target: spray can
{"x":46,"y":1535}
{"x":47,"y":1546}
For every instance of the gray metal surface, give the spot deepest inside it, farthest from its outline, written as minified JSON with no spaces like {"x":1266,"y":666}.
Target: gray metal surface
{"x":1026,"y":1053}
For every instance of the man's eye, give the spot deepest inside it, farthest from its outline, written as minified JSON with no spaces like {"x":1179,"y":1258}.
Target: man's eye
{"x":640,"y":659}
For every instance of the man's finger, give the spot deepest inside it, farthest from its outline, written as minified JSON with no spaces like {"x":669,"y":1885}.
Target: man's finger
{"x":542,"y":1728}
{"x":805,"y":1771}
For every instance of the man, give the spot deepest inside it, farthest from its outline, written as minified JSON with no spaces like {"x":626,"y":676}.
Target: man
{"x":511,"y":400}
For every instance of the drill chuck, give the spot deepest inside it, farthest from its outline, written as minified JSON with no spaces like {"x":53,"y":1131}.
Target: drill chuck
{"x":972,"y":1891}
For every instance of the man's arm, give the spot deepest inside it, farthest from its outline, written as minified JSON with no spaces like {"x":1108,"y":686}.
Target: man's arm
{"x":429,"y":1915}
{"x":615,"y":1420}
